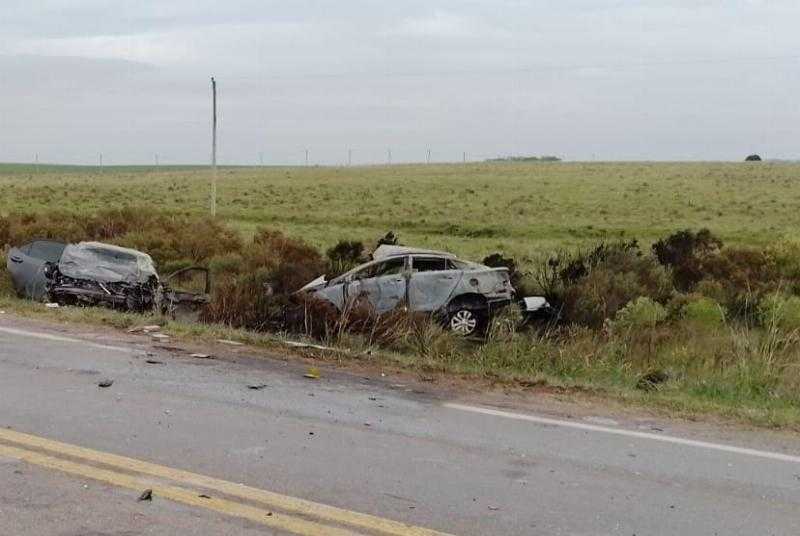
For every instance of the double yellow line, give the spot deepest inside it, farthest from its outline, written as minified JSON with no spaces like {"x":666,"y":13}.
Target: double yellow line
{"x":280,"y":512}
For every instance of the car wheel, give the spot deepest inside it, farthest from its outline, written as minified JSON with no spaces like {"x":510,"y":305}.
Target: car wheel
{"x":465,"y":321}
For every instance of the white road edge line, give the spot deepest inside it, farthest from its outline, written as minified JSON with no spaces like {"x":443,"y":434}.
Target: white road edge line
{"x":59,"y":338}
{"x":628,"y":433}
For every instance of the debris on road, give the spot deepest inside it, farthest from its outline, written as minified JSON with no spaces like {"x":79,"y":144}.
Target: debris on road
{"x":147,"y":495}
{"x":312,"y":374}
{"x":257,"y":386}
{"x":159,"y":336}
{"x":153,"y":362}
{"x":200,"y":356}
{"x":652,"y":380}
{"x":603,"y":421}
{"x":144,"y":329}
{"x":105,"y":383}
{"x":295,"y":344}
{"x":51,"y":305}
{"x":230,"y":342}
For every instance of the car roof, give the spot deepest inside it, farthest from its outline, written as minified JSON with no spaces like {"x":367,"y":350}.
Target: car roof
{"x":110,"y":247}
{"x":386,"y":251}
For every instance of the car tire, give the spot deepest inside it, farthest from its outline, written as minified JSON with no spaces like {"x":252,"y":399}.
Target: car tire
{"x":466,"y":320}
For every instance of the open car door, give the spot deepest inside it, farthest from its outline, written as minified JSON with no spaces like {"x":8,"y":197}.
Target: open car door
{"x":26,"y":265}
{"x":184,"y":304}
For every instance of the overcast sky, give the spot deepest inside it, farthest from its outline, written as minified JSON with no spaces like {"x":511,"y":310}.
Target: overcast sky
{"x":582,"y":79}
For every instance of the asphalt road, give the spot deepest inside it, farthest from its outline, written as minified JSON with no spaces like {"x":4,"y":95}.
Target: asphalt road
{"x":347,"y":446}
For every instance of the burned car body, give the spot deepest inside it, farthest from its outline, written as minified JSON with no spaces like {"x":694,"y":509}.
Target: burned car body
{"x":463,"y":294}
{"x":93,"y":273}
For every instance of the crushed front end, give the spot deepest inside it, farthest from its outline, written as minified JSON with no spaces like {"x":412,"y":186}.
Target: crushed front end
{"x":135,"y":297}
{"x":92,"y":273}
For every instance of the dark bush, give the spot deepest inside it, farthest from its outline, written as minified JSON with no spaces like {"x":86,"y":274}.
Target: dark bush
{"x":739,"y":278}
{"x":246,"y":302}
{"x":272,"y":268}
{"x":389,"y":239}
{"x":5,"y":232}
{"x":582,"y":263}
{"x":588,"y":288}
{"x":344,"y":256}
{"x":683,"y":253}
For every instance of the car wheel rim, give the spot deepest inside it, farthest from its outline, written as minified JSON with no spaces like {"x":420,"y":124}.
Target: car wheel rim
{"x":463,"y":322}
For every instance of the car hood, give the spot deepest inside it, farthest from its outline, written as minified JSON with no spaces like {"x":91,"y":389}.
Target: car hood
{"x":314,"y":285}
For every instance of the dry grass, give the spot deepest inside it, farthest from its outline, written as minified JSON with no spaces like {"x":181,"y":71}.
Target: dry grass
{"x":748,"y":369}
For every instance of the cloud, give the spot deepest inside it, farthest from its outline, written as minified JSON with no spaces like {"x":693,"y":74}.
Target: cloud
{"x":576,"y":77}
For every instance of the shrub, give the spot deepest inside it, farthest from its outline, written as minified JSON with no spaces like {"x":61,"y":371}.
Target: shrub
{"x":389,"y":239}
{"x":741,"y":276}
{"x":640,"y":313}
{"x":5,"y":232}
{"x":703,"y":311}
{"x":779,"y":311}
{"x":589,"y":288}
{"x":245,"y":302}
{"x":260,"y":293}
{"x":6,"y":288}
{"x":344,"y":256}
{"x":785,"y":254}
{"x":682,"y":252}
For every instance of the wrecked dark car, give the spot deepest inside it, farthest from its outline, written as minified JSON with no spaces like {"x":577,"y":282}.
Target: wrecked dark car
{"x":462,"y":293}
{"x":93,"y":273}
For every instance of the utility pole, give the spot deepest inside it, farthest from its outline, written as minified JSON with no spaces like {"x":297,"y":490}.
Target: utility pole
{"x":349,"y":157}
{"x":428,"y":157}
{"x":306,"y":157}
{"x":261,"y":158}
{"x":389,"y":156}
{"x":464,"y":158}
{"x":101,"y":162}
{"x":156,"y":158}
{"x":36,"y":162}
{"x":214,"y":148}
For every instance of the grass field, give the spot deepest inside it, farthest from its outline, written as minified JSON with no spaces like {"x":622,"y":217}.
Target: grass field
{"x":747,"y":367}
{"x":472,"y":209}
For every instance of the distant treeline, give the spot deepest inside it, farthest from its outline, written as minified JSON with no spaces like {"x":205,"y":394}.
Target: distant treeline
{"x":524,"y":159}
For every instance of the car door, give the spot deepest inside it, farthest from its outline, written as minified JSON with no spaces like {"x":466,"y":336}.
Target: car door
{"x":432,"y":282}
{"x":187,"y":301}
{"x":381,"y":284}
{"x":390,"y":284}
{"x":26,"y":266}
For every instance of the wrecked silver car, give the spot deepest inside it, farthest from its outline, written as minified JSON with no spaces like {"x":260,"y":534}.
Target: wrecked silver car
{"x":463,"y":294}
{"x":93,"y":273}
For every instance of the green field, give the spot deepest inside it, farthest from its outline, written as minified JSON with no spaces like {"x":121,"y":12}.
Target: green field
{"x":473,"y":209}
{"x":729,"y":345}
